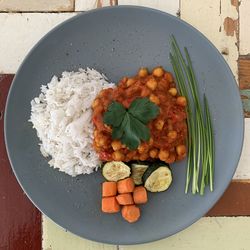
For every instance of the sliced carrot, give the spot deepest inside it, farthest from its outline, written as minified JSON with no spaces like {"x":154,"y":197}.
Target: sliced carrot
{"x":131,"y":213}
{"x":125,"y":199}
{"x":125,"y":186}
{"x":140,"y":195}
{"x":110,"y":205}
{"x":109,"y":188}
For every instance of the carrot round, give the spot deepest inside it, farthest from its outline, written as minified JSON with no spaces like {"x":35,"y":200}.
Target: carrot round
{"x":131,"y":213}
{"x":109,"y":188}
{"x":140,"y":195}
{"x":110,"y":205}
{"x":125,"y":186}
{"x":125,"y":199}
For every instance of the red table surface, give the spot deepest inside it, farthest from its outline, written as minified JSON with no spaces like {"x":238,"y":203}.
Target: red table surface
{"x":20,"y":221}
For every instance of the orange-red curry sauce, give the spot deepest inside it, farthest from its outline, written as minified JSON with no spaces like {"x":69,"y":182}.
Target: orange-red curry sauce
{"x":168,"y":131}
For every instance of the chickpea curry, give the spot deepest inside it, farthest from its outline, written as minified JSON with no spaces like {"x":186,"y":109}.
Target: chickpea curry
{"x":168,"y":131}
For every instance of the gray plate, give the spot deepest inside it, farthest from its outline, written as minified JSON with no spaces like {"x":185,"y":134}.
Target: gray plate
{"x":117,"y":41}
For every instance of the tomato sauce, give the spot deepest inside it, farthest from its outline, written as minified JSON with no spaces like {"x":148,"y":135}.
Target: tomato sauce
{"x":168,"y":132}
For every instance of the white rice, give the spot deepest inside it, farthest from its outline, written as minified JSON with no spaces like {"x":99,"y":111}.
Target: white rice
{"x":61,"y":116}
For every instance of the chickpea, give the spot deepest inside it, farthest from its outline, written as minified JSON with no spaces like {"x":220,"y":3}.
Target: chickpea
{"x":172,"y":134}
{"x":172,"y":91}
{"x":151,"y":84}
{"x":143,"y":72}
{"x":171,"y":158}
{"x":163,"y":155}
{"x":169,"y":77}
{"x":153,"y":153}
{"x":181,"y":150}
{"x":159,"y":124}
{"x":116,"y":145}
{"x":100,"y":141}
{"x":118,"y":156}
{"x":181,"y":101}
{"x":158,"y":72}
{"x":95,"y":103}
{"x":153,"y":98}
{"x":130,"y":81}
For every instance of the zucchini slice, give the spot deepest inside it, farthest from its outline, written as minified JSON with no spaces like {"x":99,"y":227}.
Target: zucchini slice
{"x":137,"y":172}
{"x":157,"y":178}
{"x":115,"y":171}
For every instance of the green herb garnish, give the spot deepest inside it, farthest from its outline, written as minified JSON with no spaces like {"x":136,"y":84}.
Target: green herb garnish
{"x":200,"y":132}
{"x":130,"y":125}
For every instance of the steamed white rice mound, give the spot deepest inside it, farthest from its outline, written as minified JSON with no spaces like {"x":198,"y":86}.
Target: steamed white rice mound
{"x":62,"y":116}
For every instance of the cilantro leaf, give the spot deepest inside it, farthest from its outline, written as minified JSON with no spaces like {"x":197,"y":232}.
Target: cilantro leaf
{"x":143,"y":109}
{"x":131,"y":132}
{"x":129,"y":126}
{"x":140,"y":129}
{"x":114,"y":114}
{"x":117,"y":132}
{"x":129,"y":137}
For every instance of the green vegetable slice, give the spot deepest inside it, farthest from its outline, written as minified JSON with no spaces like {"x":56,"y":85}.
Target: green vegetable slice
{"x":157,"y":178}
{"x":115,"y":171}
{"x":137,"y":172}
